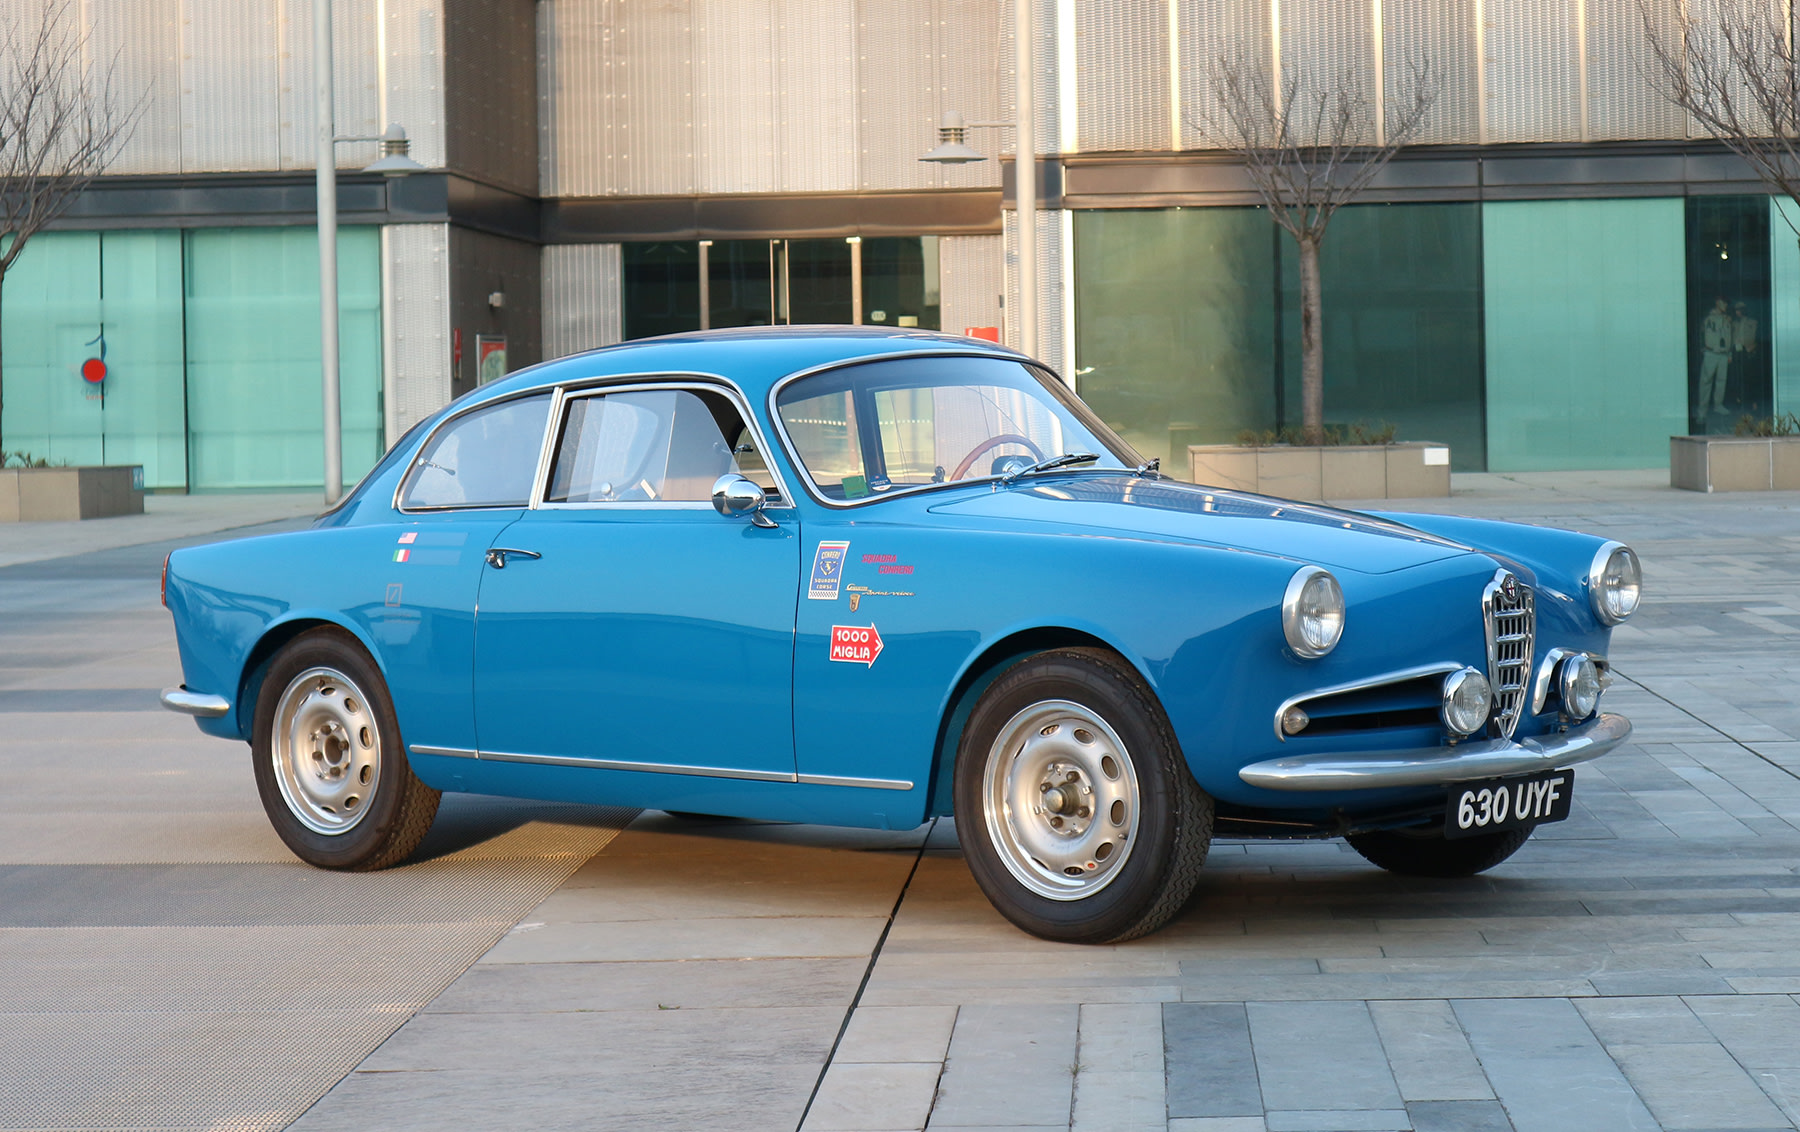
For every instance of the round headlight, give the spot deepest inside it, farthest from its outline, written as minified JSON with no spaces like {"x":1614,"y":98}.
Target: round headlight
{"x":1312,"y":612}
{"x":1578,"y":682}
{"x":1615,"y":583}
{"x":1467,"y":700}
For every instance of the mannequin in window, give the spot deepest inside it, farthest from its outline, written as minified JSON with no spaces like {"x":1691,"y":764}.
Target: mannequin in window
{"x":1743,"y":343}
{"x":1715,"y":361}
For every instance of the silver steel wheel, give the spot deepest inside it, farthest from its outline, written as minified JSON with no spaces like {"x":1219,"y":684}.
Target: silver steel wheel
{"x":1061,"y":800}
{"x":327,"y":751}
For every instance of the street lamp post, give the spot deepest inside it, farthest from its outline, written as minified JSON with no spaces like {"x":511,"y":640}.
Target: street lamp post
{"x":951,"y":150}
{"x":393,"y":162}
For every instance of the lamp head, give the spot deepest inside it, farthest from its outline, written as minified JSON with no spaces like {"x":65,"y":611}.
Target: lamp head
{"x":951,"y":150}
{"x":394,"y":160}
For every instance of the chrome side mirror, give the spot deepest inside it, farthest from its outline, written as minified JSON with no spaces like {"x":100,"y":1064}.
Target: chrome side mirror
{"x":733,"y":494}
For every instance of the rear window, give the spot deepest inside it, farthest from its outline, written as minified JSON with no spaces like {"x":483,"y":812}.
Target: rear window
{"x":484,"y":458}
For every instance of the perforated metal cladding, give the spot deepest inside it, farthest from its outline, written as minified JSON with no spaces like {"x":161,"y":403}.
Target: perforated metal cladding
{"x":735,"y":97}
{"x":1620,"y":103}
{"x":965,"y":67}
{"x":972,"y":275}
{"x":415,"y":76}
{"x":1533,"y":71}
{"x":1046,"y":97}
{"x":1052,"y":246}
{"x":582,"y":298}
{"x":1210,"y":31}
{"x":230,"y":86}
{"x":356,"y":90}
{"x":490,"y":111}
{"x":1327,"y":45}
{"x":145,"y":38}
{"x":816,"y":120}
{"x":415,"y":322}
{"x":1439,"y":34}
{"x":1122,"y":74}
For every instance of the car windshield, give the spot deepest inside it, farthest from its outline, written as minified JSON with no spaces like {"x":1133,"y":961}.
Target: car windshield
{"x":878,"y":427}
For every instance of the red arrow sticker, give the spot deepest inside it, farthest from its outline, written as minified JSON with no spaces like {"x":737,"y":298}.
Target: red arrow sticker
{"x":855,"y":644}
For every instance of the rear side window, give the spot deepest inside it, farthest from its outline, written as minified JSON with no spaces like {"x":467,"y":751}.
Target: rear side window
{"x":484,"y":458}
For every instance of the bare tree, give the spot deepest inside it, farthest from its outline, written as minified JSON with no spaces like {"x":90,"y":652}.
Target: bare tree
{"x":1731,"y":65}
{"x":63,"y":120}
{"x":1310,"y":148}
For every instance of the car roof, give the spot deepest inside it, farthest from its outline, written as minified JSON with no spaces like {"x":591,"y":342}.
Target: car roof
{"x":753,"y":357}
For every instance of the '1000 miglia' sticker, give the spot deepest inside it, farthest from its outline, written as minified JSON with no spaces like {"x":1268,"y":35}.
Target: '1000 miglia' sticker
{"x":855,"y":644}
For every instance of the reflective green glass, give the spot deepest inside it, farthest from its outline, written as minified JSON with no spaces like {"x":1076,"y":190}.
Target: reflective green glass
{"x":1730,"y":368}
{"x":71,"y":297}
{"x":1784,"y":312}
{"x":1174,"y":325}
{"x":1586,"y":338}
{"x":1401,"y":299}
{"x":255,"y":416}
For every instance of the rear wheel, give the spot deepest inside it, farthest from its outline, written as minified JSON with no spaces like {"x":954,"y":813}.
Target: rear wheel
{"x":1077,"y":813}
{"x":1428,"y":853}
{"x":330,"y":764}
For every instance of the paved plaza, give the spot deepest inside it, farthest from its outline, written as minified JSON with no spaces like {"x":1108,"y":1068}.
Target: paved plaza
{"x":170,"y":966}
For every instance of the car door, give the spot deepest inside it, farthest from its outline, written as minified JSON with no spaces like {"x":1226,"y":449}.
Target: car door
{"x":470,"y":480}
{"x":624,"y":623}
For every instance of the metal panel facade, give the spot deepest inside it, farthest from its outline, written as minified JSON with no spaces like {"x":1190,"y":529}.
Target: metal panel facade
{"x":356,"y":89}
{"x":230,"y":86}
{"x":490,"y":112}
{"x":1122,"y":74}
{"x":1438,"y":35}
{"x":1052,"y":262}
{"x":415,"y":322}
{"x":583,"y":308}
{"x":735,"y":96}
{"x":146,"y":41}
{"x":1620,"y":103}
{"x":971,"y":279}
{"x":1212,"y":31}
{"x":1533,"y":71}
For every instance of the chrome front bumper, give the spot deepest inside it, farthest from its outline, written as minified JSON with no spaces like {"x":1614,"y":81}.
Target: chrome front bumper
{"x":1436,"y":766}
{"x":195,"y":703}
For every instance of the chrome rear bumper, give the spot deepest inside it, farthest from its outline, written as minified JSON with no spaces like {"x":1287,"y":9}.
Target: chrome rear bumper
{"x":195,"y":703}
{"x":1434,"y":766}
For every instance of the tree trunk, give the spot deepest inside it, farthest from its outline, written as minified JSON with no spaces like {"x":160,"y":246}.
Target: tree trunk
{"x":1312,"y":344}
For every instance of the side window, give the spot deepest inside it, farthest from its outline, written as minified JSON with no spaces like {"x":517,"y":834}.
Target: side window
{"x":486,"y":458}
{"x":666,"y":445}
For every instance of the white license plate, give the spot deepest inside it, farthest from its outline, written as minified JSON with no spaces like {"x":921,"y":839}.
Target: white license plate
{"x":1508,"y":803}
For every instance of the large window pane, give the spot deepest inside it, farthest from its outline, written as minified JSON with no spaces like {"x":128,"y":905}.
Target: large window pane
{"x":1730,"y":365}
{"x":1402,"y":323}
{"x":1174,"y":325}
{"x":1586,"y":341}
{"x":254,"y":411}
{"x":662,"y":288}
{"x":69,"y":295}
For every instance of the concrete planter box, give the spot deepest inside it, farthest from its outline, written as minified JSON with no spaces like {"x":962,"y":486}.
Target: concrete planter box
{"x":1734,"y":463}
{"x":1352,"y":471}
{"x":30,"y":494}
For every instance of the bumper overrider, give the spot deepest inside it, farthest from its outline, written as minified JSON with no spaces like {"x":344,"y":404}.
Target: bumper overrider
{"x":1437,"y":766}
{"x":197,"y":704}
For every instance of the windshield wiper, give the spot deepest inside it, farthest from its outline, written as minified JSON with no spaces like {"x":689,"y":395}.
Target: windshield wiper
{"x":1063,"y":461}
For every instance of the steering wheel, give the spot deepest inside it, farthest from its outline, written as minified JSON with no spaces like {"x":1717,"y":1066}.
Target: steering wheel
{"x":991,"y":443}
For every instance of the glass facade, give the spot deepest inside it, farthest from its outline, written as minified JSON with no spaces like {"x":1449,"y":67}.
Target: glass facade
{"x":211,"y":344}
{"x":779,"y":282}
{"x":1731,"y":373}
{"x":1585,"y":333}
{"x":1177,"y":314}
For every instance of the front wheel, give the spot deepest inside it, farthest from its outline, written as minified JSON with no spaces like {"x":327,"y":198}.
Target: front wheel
{"x":1077,"y":813}
{"x":330,"y":765}
{"x":1428,"y":853}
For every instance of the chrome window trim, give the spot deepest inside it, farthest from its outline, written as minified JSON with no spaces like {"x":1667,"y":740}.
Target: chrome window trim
{"x":666,"y":768}
{"x":640,"y":383}
{"x":546,"y":448}
{"x":1398,"y":676}
{"x":411,"y":466}
{"x":793,"y":453}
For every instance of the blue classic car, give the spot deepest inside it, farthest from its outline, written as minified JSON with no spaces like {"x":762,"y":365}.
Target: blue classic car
{"x":864,"y":577}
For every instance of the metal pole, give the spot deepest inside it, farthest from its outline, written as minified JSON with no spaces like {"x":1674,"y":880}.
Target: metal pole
{"x":856,"y":295}
{"x":705,"y":285}
{"x":1025,"y":179}
{"x":325,"y":155}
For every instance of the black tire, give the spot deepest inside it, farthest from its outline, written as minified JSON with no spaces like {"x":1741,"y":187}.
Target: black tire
{"x":348,"y":799}
{"x":1428,"y":853}
{"x":1019,"y":744}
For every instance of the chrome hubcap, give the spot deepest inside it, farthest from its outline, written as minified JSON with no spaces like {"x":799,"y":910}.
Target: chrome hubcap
{"x":327,"y":751}
{"x":1062,"y":800}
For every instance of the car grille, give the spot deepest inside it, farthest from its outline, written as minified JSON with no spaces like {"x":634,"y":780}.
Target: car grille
{"x":1510,"y":616}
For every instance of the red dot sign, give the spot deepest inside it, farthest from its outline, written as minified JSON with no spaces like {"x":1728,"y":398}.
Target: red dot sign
{"x":93,"y":371}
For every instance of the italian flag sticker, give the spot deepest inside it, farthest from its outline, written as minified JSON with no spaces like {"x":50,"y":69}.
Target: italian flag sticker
{"x":402,"y":554}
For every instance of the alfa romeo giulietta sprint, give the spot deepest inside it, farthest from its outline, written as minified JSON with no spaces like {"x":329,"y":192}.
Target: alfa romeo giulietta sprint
{"x":866,"y":577}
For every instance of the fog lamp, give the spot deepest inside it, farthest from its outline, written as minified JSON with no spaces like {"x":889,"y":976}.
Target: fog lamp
{"x":1294,"y":721}
{"x":1467,"y":701}
{"x":1578,"y":682}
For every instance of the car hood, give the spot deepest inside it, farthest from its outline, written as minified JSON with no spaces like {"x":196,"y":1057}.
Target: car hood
{"x":1133,"y":506}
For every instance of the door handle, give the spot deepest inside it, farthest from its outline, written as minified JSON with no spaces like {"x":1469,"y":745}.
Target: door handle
{"x":496,"y":555}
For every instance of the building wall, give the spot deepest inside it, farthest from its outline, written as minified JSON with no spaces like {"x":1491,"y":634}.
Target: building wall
{"x":490,"y":47}
{"x":582,"y":298}
{"x":480,"y":265}
{"x":227,"y":85}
